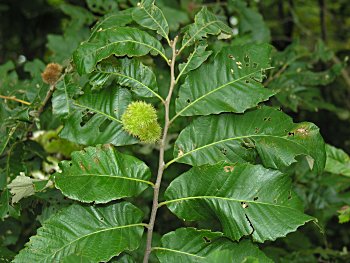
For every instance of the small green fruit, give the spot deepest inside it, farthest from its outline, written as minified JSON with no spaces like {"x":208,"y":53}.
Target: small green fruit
{"x":140,"y":120}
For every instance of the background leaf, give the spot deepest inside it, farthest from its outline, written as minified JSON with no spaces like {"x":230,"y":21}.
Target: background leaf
{"x":266,"y":132}
{"x":244,"y":199}
{"x":235,"y":86}
{"x":115,"y":228}
{"x":102,"y":174}
{"x":338,"y":161}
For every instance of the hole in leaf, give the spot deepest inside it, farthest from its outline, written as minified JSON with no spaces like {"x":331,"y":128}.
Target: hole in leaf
{"x":244,"y":205}
{"x":224,"y":151}
{"x":102,"y":219}
{"x":228,"y":168}
{"x":206,"y":240}
{"x":247,"y":81}
{"x":267,"y":119}
{"x":255,"y":198}
{"x":247,"y":64}
{"x":87,"y":115}
{"x":188,"y":101}
{"x":255,"y":65}
{"x":246,"y":59}
{"x":257,"y":130}
{"x":290,"y":133}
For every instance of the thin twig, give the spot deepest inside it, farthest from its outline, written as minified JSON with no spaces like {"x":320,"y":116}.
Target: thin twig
{"x":14,"y":99}
{"x":279,"y":72}
{"x":48,"y":96}
{"x":161,"y":155}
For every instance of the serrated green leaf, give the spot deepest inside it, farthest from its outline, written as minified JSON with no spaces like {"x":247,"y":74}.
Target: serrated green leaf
{"x":205,"y":23}
{"x":104,"y":110}
{"x":148,"y":15}
{"x":186,"y":245}
{"x":102,"y":174}
{"x":115,"y":228}
{"x":338,"y":161}
{"x":196,"y":58}
{"x":117,"y":19}
{"x":235,"y":86}
{"x":129,"y":73}
{"x":119,"y":41}
{"x":245,"y":199}
{"x":264,"y":132}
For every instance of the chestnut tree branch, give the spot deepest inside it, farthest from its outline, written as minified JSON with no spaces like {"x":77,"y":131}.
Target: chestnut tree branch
{"x":161,"y":165}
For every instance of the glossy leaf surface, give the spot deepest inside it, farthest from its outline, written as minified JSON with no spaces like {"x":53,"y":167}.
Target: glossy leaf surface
{"x":205,"y":23}
{"x":231,"y":83}
{"x":195,"y":59}
{"x":148,"y":15}
{"x":126,"y":72}
{"x":114,"y":228}
{"x":189,"y":245}
{"x":244,"y":199}
{"x":264,"y":132}
{"x":102,"y":174}
{"x":119,"y":41}
{"x":96,"y":118}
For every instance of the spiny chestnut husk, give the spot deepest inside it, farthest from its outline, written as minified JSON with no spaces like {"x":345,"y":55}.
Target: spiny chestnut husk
{"x":51,"y":73}
{"x":140,"y":120}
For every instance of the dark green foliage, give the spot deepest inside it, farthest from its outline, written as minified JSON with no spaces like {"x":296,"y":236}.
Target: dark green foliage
{"x":211,"y":103}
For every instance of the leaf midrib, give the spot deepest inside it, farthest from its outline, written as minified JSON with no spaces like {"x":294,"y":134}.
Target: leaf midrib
{"x":232,"y":139}
{"x":155,"y":20}
{"x":133,"y":79}
{"x":214,"y":90}
{"x":176,"y":251}
{"x":112,"y":176}
{"x":223,"y":198}
{"x":93,"y":233}
{"x":203,"y":27}
{"x":133,"y":41}
{"x":98,"y":111}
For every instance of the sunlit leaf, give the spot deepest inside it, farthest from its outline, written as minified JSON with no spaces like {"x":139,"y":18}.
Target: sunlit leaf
{"x":266,"y":133}
{"x":102,"y":174}
{"x":187,"y":245}
{"x":244,"y":199}
{"x":235,"y":86}
{"x":96,"y":118}
{"x":114,"y":228}
{"x":148,"y":15}
{"x":119,"y":41}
